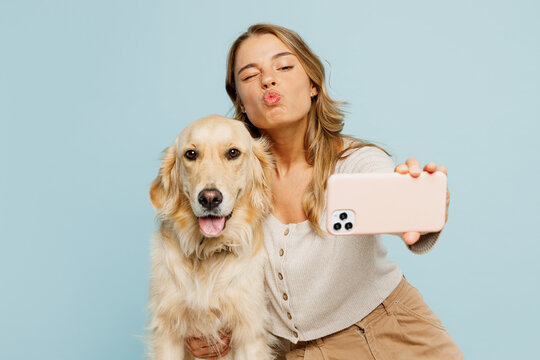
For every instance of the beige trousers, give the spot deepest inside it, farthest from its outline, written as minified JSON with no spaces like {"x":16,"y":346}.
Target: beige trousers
{"x":402,"y":327}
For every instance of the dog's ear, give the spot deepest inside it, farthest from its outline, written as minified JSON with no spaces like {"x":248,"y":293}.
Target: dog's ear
{"x":261,"y":167}
{"x":165,"y":187}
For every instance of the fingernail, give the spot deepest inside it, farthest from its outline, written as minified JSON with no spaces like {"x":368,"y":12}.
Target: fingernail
{"x":415,"y":169}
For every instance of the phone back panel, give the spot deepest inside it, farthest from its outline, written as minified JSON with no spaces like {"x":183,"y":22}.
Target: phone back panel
{"x":375,"y":203}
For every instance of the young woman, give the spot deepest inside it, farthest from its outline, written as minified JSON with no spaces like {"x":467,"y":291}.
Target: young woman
{"x":329,"y":298}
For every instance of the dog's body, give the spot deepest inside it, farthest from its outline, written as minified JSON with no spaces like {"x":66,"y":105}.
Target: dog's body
{"x":212,"y":193}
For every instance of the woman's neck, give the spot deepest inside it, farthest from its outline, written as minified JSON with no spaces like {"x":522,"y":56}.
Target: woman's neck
{"x":287,"y":146}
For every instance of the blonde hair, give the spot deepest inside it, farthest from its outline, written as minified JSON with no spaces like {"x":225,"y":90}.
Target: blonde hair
{"x":323,"y":141}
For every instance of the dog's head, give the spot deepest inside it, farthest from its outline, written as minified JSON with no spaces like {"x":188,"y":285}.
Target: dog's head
{"x":213,"y":176}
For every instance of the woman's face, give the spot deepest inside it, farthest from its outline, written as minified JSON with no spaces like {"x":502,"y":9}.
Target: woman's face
{"x":272,"y":85}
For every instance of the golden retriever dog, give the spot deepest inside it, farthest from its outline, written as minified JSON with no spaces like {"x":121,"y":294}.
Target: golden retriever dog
{"x":211,"y":193}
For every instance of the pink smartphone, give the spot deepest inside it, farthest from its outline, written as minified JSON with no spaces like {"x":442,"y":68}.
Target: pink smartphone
{"x":377,"y":203}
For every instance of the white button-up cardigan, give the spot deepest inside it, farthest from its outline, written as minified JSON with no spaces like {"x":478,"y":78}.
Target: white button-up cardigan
{"x":320,"y":285}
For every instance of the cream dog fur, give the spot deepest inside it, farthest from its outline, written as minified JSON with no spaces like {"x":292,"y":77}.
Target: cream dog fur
{"x":211,"y":194}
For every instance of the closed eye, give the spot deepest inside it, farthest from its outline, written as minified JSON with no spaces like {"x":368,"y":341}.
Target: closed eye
{"x":286,"y":67}
{"x":249,"y":77}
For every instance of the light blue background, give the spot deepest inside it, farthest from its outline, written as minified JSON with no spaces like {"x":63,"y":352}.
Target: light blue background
{"x":92,"y":91}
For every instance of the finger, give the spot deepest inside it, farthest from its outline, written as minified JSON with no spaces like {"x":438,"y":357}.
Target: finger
{"x":196,"y":340}
{"x":412,"y":161}
{"x":411,"y":237}
{"x":223,"y":350}
{"x":226,"y":351}
{"x":402,"y":169}
{"x":226,"y":339}
{"x":221,"y":355}
{"x":192,"y":344}
{"x":414,"y":167}
{"x":217,"y":351}
{"x":224,"y":332}
{"x":207,"y":357}
{"x":214,"y":352}
{"x":196,"y":343}
{"x":201,"y":341}
{"x":204,"y":348}
{"x":211,"y":347}
{"x":430,"y":167}
{"x":447,"y":204}
{"x":443,"y":169}
{"x":213,"y":356}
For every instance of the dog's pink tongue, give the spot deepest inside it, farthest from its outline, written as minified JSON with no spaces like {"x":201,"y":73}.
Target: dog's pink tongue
{"x":211,"y":226}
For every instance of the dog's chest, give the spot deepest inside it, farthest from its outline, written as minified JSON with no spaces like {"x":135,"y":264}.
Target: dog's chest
{"x":215,"y":296}
{"x":214,"y":285}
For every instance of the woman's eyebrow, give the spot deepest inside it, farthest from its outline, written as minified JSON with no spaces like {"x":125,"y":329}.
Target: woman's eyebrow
{"x":285,"y":53}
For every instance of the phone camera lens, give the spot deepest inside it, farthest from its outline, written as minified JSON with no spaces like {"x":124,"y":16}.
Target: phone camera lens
{"x":343,"y":216}
{"x":337,"y":226}
{"x":348,"y":226}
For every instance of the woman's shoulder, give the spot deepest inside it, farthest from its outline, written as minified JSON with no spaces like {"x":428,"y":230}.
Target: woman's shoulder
{"x":363,"y":157}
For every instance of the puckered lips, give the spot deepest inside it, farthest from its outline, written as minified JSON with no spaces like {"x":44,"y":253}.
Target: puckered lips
{"x":213,"y":225}
{"x":271,"y":97}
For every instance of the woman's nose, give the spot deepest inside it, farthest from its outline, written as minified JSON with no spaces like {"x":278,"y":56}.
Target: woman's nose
{"x":268,"y":81}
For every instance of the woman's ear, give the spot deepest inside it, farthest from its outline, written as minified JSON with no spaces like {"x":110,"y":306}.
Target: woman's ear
{"x":242,"y":108}
{"x":261,"y":167}
{"x":165,"y":185}
{"x":314,"y":90}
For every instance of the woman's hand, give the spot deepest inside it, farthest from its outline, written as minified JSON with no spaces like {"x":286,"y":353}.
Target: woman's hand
{"x":204,"y":348}
{"x":412,"y":167}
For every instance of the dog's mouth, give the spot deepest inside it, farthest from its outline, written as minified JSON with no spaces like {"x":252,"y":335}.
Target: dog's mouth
{"x":213,"y":225}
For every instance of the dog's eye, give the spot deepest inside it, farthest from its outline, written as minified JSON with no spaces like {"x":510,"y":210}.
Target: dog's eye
{"x":233,"y":154}
{"x":190,"y":155}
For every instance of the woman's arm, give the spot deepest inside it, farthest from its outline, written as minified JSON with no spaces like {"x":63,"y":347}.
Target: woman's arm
{"x":371,"y":159}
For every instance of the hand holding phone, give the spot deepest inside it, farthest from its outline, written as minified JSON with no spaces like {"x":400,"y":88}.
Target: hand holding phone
{"x":374,"y":203}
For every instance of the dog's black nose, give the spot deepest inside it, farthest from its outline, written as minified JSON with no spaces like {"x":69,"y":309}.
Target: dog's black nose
{"x":210,"y":198}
